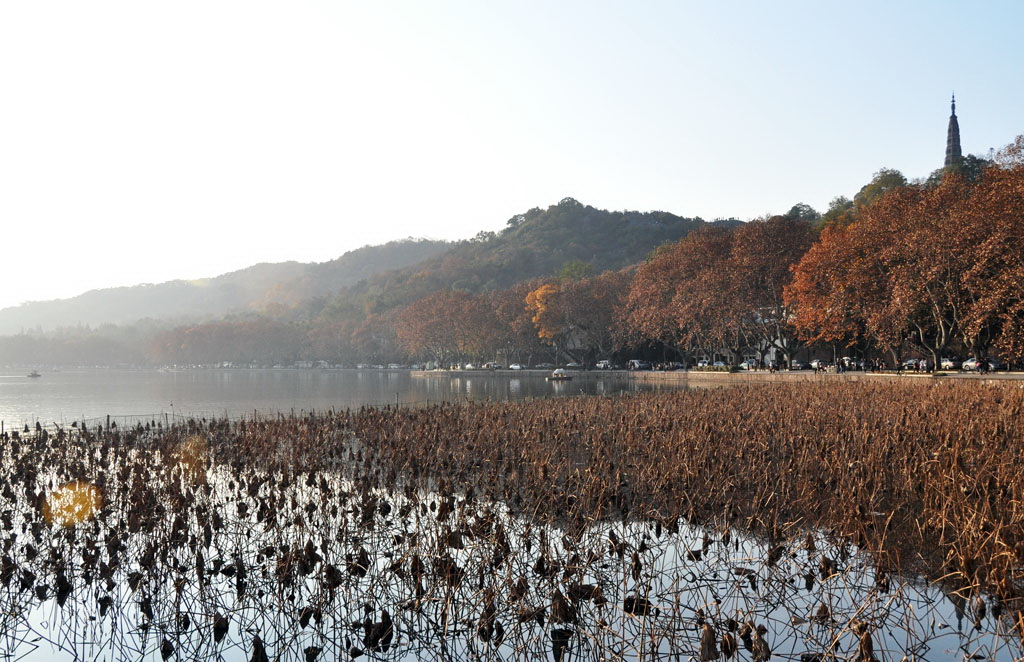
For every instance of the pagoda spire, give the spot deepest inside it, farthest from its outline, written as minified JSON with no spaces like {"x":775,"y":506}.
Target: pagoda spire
{"x":953,"y":153}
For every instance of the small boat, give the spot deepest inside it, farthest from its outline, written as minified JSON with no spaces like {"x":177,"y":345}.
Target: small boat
{"x":559,"y":375}
{"x":34,"y":373}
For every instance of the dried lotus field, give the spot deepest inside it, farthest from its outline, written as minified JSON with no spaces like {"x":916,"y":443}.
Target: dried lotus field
{"x":809,"y":521}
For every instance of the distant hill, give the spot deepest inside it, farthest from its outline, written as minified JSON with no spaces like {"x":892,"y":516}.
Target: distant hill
{"x":254,"y":289}
{"x":538,"y":243}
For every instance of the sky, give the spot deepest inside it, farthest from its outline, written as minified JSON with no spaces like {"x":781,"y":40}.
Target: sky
{"x":143,"y":141}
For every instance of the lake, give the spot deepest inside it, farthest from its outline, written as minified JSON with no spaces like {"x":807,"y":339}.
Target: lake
{"x":378,"y":534}
{"x":89,"y":395}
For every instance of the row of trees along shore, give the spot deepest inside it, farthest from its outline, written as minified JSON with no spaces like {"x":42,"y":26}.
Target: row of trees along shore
{"x":933,"y":267}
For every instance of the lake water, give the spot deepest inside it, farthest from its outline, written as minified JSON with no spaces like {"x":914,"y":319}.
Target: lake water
{"x":88,"y":395}
{"x":194,"y":553}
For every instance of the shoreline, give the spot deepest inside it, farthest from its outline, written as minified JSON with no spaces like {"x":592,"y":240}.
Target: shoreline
{"x":678,"y":376}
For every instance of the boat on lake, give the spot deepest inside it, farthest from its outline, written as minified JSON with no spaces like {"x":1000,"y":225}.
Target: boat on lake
{"x":34,"y":373}
{"x":559,"y":375}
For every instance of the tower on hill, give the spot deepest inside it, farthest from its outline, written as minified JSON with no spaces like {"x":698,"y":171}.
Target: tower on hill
{"x":953,"y":154}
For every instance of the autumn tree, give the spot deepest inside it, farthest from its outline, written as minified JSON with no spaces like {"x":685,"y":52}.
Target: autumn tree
{"x":994,"y":275}
{"x":544,"y":308}
{"x":842,"y":289}
{"x":516,"y":337}
{"x":760,"y":261}
{"x":684,"y":295}
{"x":446,"y":326}
{"x":428,"y":327}
{"x":578,"y":317}
{"x":332,"y":342}
{"x":926,"y":266}
{"x":589,"y":309}
{"x":829,"y":303}
{"x":647,"y":311}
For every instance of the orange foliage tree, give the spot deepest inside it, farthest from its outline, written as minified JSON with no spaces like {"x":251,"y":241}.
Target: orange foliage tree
{"x":761,"y":260}
{"x":720,"y":289}
{"x":516,"y":337}
{"x":578,"y":316}
{"x":840,"y":287}
{"x":924,"y":267}
{"x":677,"y":297}
{"x":995,"y":273}
{"x":446,"y":326}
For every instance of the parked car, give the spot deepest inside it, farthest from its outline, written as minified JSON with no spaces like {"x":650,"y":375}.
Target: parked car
{"x":819,"y":364}
{"x":573,"y":364}
{"x":949,"y":363}
{"x":718,"y":364}
{"x":603,"y":364}
{"x":491,"y":365}
{"x":973,"y":364}
{"x":703,"y":363}
{"x":516,"y":366}
{"x":637,"y":364}
{"x":544,"y":365}
{"x":748,"y":365}
{"x":799,"y":365}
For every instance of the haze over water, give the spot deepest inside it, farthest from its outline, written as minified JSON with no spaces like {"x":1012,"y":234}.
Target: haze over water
{"x":66,"y":396}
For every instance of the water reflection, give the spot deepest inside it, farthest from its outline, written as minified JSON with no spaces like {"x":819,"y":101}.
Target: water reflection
{"x":198,"y":553}
{"x":125,"y":395}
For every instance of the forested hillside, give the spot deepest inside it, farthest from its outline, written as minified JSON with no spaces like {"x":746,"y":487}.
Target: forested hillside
{"x":342,"y":311}
{"x":567,"y":238}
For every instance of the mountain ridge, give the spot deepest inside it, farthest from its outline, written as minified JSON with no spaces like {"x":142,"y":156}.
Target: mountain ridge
{"x":539,"y":243}
{"x":250,"y":289}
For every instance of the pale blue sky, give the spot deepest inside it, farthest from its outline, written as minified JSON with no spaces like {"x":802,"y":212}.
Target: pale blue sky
{"x":143,"y":141}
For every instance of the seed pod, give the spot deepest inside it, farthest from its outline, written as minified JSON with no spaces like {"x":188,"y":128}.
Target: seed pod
{"x":708,"y":644}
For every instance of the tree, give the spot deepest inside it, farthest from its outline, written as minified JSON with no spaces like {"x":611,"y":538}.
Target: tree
{"x":838,"y":284}
{"x":762,"y":255}
{"x":375,"y":340}
{"x":970,"y":167}
{"x":803,"y":212}
{"x":683,"y":296}
{"x":923,"y":266}
{"x":516,"y":335}
{"x":541,"y":304}
{"x":884,"y":181}
{"x":445,"y":326}
{"x":575,"y":270}
{"x":588,"y":309}
{"x":840,"y":212}
{"x":994,"y":277}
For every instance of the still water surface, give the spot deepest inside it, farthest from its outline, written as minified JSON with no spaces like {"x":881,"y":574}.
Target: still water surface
{"x":66,"y":396}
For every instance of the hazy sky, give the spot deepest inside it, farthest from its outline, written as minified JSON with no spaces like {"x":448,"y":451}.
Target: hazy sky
{"x":147,"y":141}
